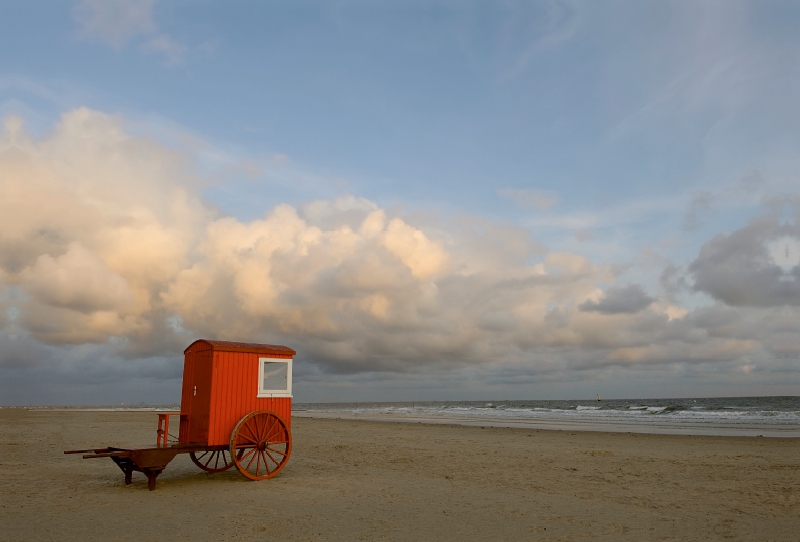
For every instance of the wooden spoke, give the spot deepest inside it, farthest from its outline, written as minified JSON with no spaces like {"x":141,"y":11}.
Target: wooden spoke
{"x":263,"y":460}
{"x":212,"y":460}
{"x":275,"y":451}
{"x":246,"y":443}
{"x":267,"y":462}
{"x":255,"y":456}
{"x":274,"y":433}
{"x":241,"y":456}
{"x":253,"y":435}
{"x":268,"y":454}
{"x":260,"y":445}
{"x":268,"y":432}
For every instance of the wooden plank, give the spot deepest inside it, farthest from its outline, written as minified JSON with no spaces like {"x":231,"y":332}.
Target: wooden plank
{"x":119,"y":455}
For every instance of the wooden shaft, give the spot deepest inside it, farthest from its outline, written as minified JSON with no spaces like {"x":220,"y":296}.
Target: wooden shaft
{"x":111,"y":454}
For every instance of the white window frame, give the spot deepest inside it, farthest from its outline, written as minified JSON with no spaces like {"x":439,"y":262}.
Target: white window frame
{"x":274,"y":393}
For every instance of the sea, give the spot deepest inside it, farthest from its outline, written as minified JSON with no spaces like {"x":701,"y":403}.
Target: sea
{"x":723,"y":416}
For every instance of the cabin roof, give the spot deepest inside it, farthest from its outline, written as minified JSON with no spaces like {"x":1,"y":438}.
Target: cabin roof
{"x":229,"y":346}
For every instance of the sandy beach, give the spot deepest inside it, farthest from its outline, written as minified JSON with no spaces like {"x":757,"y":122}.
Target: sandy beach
{"x":362,"y":480}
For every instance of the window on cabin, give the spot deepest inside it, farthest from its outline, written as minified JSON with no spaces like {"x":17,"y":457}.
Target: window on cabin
{"x":275,"y":378}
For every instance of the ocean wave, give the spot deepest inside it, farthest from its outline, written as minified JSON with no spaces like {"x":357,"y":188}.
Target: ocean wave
{"x":578,"y":411}
{"x":703,"y":415}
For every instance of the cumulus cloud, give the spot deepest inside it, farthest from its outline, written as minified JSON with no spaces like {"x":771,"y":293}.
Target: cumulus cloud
{"x":93,"y":222}
{"x":77,"y":280}
{"x":105,"y":240}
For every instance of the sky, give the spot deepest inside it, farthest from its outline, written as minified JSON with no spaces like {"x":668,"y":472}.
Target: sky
{"x":427,"y":200}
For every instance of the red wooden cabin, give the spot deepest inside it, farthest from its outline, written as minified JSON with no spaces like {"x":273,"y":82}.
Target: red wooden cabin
{"x":223,"y":381}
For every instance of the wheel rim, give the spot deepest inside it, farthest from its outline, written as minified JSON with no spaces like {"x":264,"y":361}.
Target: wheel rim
{"x":212,"y":460}
{"x":260,"y":445}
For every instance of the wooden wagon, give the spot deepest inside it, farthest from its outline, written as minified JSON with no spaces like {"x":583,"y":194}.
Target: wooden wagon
{"x":236,"y":409}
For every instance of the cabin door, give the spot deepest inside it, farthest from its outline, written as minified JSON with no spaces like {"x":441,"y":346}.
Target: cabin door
{"x":200,"y":397}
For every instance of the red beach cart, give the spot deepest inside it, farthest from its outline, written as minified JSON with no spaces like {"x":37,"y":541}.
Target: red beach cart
{"x":236,"y":409}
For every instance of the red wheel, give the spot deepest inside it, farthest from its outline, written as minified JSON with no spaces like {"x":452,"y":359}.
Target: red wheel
{"x":261,"y":444}
{"x":212,"y":460}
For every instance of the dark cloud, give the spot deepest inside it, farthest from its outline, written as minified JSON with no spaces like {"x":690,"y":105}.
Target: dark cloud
{"x":20,"y":351}
{"x":752,"y":266}
{"x":626,"y":300}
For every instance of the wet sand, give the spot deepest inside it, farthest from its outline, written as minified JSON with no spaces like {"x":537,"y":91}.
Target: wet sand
{"x":361,"y":480}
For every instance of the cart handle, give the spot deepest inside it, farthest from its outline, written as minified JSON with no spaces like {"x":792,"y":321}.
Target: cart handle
{"x":120,"y":455}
